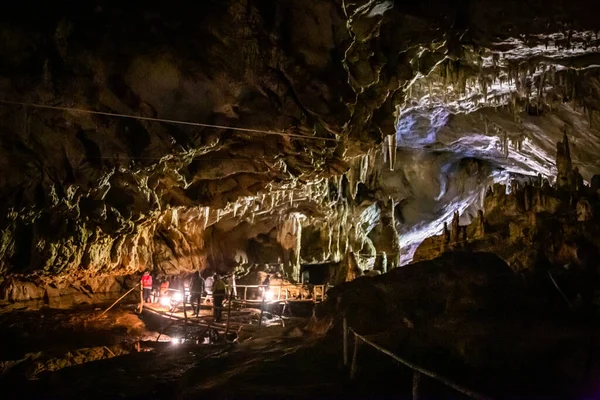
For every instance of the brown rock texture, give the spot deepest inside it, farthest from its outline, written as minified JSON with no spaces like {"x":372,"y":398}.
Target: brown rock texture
{"x":297,"y":157}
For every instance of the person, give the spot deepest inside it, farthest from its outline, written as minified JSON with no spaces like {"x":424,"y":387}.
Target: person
{"x":208,"y":284}
{"x":267,"y":282}
{"x":231,"y":285}
{"x":155,"y":288}
{"x":147,"y":287}
{"x":265,"y":287}
{"x":164,"y":286}
{"x":197,"y":290}
{"x":218,"y":297}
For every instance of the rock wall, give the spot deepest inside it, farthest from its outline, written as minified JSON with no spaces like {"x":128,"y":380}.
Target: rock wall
{"x":87,"y":193}
{"x":533,"y":226}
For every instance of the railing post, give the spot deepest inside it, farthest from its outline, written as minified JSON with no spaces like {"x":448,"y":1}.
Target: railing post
{"x":353,"y":367}
{"x":142,"y":298}
{"x":416,"y":384}
{"x":345,"y":339}
{"x":262,"y":309}
{"x":228,"y":313}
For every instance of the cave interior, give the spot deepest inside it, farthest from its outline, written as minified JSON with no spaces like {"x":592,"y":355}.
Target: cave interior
{"x":435,"y":163}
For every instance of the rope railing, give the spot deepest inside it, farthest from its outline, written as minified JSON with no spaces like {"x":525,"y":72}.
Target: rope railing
{"x":418,"y":371}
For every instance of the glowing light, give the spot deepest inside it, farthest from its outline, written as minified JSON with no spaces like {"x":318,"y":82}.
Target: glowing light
{"x":177,"y":296}
{"x":268,"y":295}
{"x":165,"y":301}
{"x":175,"y":340}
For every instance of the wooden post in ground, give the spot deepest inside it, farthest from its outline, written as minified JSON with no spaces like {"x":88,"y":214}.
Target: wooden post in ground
{"x":262,"y":309}
{"x":185,"y":315}
{"x":141,"y":297}
{"x":228,"y":312}
{"x":353,"y":367}
{"x":416,"y":384}
{"x":345,"y":339}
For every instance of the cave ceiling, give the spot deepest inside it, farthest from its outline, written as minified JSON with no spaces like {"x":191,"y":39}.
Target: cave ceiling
{"x":314,"y":112}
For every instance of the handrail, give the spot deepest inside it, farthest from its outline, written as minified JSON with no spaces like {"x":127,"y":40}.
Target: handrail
{"x":318,"y":290}
{"x":418,"y":370}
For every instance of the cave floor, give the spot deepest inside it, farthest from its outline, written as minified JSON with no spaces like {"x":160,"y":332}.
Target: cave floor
{"x":267,"y":367}
{"x":298,"y":368}
{"x":276,"y":368}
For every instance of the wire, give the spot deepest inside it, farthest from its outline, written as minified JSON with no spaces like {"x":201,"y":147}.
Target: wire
{"x":170,"y":121}
{"x":248,"y":130}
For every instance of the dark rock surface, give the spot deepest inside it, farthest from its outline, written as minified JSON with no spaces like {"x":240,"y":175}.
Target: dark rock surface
{"x":468,"y":317}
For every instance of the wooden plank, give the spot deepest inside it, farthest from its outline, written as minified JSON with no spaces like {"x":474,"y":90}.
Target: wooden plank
{"x":120,"y":298}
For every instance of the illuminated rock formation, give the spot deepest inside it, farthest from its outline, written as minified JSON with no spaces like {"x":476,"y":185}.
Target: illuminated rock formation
{"x":350,"y":126}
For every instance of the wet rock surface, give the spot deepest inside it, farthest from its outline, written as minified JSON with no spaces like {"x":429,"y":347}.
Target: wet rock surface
{"x":48,"y":340}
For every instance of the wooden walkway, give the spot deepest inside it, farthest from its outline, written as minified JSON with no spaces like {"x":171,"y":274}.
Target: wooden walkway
{"x":254,"y":293}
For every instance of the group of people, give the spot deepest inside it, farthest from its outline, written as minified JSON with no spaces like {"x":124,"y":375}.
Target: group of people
{"x":154,"y":288}
{"x":199,"y":288}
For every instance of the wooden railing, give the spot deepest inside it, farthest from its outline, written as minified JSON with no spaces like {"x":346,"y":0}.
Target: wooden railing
{"x":283,"y":292}
{"x":417,"y":371}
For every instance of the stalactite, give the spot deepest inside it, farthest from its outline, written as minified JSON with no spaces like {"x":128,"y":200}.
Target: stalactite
{"x":206,"y":216}
{"x":391,"y":139}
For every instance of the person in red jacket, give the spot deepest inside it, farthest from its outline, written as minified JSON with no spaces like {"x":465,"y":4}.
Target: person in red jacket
{"x":147,"y":286}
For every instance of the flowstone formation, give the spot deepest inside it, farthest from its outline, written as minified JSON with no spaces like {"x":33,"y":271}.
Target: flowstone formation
{"x":298,"y":133}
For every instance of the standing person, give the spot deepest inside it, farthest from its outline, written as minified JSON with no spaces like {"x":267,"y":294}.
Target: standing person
{"x":267,"y":282}
{"x":266,"y":287}
{"x":164,"y":286}
{"x":208,"y":284}
{"x":147,"y":286}
{"x":231,"y":285}
{"x":218,"y":297}
{"x":155,"y":288}
{"x":196,"y":291}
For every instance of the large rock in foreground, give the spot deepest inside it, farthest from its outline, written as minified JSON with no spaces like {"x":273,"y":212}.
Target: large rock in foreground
{"x":469,"y":317}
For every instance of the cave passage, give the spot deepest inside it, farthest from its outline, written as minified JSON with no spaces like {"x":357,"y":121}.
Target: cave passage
{"x":300,"y":199}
